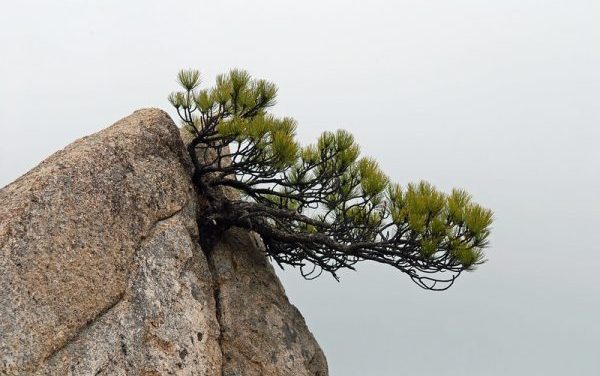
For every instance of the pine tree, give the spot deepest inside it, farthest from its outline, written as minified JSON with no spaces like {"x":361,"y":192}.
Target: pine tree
{"x":320,"y":207}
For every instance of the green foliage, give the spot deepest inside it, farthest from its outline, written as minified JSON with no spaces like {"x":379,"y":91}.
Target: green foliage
{"x":322,"y":203}
{"x":440,"y":222}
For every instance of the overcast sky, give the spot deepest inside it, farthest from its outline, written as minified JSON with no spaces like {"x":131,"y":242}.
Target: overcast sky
{"x":501,"y":98}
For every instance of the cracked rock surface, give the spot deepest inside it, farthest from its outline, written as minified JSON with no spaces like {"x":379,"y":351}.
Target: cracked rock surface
{"x":101,"y":272}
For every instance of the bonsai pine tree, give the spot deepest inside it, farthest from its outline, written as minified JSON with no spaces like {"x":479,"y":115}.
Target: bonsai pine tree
{"x":320,"y":207}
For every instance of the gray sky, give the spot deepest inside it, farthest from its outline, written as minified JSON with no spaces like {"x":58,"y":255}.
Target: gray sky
{"x":498,"y":97}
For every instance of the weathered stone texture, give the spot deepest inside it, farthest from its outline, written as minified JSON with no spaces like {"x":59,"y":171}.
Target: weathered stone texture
{"x":261,"y":332}
{"x":101,"y":272}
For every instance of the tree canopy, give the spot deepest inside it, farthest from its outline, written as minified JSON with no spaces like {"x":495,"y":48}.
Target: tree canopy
{"x":320,"y":207}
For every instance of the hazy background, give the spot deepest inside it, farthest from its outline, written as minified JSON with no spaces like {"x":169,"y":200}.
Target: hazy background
{"x":498,"y":97}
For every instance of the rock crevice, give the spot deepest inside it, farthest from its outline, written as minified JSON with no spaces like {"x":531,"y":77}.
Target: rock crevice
{"x":216,"y":291}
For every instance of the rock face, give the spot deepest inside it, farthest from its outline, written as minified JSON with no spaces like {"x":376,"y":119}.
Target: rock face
{"x":101,"y":272}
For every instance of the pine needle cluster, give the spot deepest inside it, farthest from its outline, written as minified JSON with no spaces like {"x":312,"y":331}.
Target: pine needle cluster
{"x":320,"y":207}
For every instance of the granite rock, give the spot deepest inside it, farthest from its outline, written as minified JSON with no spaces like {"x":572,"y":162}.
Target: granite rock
{"x":101,"y":271}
